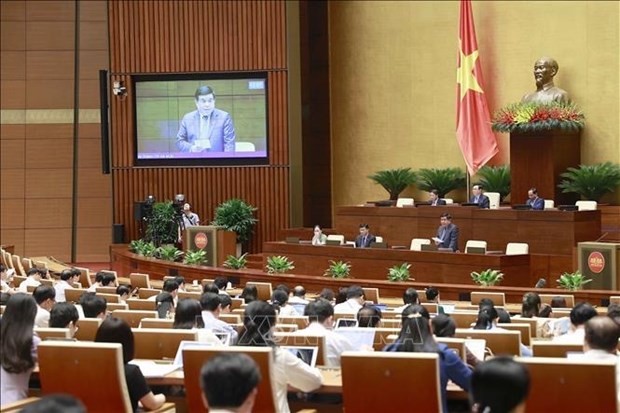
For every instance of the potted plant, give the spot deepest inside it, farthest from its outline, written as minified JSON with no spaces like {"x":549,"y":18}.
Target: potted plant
{"x":487,"y":278}
{"x":168,"y":253}
{"x":394,"y":180}
{"x":236,"y":263}
{"x":279,"y":264}
{"x":338,"y":269}
{"x":535,"y":117}
{"x":238,"y":216}
{"x":144,"y":248}
{"x":592,"y":182}
{"x":443,"y":180}
{"x":162,"y":227}
{"x":496,"y":179}
{"x":399,"y":272}
{"x":573,"y":281}
{"x":197,"y":257}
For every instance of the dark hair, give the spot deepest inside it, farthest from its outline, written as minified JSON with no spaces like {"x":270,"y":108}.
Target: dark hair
{"x":415,"y":334}
{"x":2,"y":268}
{"x":210,"y":301}
{"x":4,"y":298}
{"x":33,"y":271}
{"x":225,"y":300}
{"x":499,"y":385}
{"x":179,"y":280}
{"x":99,"y":277}
{"x":93,"y":305}
{"x":341,"y":297}
{"x":258,"y":319}
{"x":115,"y":330}
{"x":62,"y":315}
{"x":16,"y":334}
{"x":431,"y":293}
{"x":284,"y":288}
{"x":164,"y":303}
{"x":249,"y":293}
{"x":613,"y":311}
{"x":188,"y":314}
{"x":326,"y":293}
{"x":530,"y":306}
{"x":364,"y":226}
{"x":368,"y":316}
{"x":65,"y":275}
{"x":602,"y":333}
{"x":123,"y":289}
{"x":534,"y":190}
{"x":204,"y":91}
{"x":170,"y":286}
{"x":443,"y":325}
{"x":210,"y":288}
{"x":228,"y":379}
{"x":558,"y":302}
{"x":446,"y":216}
{"x":220,"y":282}
{"x":545,"y":311}
{"x":486,"y":315}
{"x":485,"y":302}
{"x":319,"y":310}
{"x":355,"y":291}
{"x":108,"y":279}
{"x":300,"y":291}
{"x":478,"y":186}
{"x":410,"y":296}
{"x":581,"y":313}
{"x":503,"y":316}
{"x":43,"y":292}
{"x":56,"y":403}
{"x":279,"y":298}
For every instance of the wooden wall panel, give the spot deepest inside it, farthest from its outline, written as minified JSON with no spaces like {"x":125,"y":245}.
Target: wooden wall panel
{"x":189,"y":36}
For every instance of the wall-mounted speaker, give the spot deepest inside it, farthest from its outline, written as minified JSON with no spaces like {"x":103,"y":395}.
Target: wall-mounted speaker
{"x":103,"y":111}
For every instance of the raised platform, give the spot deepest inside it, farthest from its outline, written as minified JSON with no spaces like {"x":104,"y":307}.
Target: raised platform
{"x":126,"y":262}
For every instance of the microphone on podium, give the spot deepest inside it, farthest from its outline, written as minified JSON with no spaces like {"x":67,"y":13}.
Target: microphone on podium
{"x":542,"y":283}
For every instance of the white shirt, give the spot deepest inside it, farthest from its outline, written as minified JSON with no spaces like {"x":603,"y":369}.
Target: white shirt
{"x":23,"y":287}
{"x":290,"y":370}
{"x":219,"y":326}
{"x":576,"y":336}
{"x":351,"y":306}
{"x":4,"y":286}
{"x":60,"y":288}
{"x":42,"y":319}
{"x":335,"y":343}
{"x":288,"y":310}
{"x":297,"y":300}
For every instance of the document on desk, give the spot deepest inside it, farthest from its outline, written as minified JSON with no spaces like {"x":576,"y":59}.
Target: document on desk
{"x":151,"y":369}
{"x":476,"y":347}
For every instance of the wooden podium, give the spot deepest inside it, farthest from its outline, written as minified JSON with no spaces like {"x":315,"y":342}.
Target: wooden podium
{"x":600,"y":261}
{"x":216,"y":241}
{"x":537,"y":159}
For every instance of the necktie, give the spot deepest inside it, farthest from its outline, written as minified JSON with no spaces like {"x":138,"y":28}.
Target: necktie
{"x":205,"y":126}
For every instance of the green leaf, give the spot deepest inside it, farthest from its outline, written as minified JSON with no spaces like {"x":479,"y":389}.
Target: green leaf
{"x":394,"y":181}
{"x":495,"y":179}
{"x":238,"y":216}
{"x":592,"y":182}
{"x":443,"y":180}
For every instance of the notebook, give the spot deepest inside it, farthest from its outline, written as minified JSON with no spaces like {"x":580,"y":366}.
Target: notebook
{"x":307,"y":354}
{"x":361,"y":338}
{"x":150,"y":368}
{"x":476,"y":347}
{"x":187,"y":344}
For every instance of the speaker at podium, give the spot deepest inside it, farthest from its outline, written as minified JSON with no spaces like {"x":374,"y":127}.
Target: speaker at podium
{"x":216,"y":241}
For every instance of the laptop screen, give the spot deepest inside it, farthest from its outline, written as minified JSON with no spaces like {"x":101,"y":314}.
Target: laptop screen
{"x":307,"y":354}
{"x":186,"y":344}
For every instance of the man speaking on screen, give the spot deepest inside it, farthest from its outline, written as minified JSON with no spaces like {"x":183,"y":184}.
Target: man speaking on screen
{"x":206,"y":129}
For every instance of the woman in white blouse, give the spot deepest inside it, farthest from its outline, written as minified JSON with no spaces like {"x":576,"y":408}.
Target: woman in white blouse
{"x":319,"y":238}
{"x":258,"y":324}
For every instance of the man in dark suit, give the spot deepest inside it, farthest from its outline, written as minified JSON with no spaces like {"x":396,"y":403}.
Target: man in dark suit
{"x":206,"y":129}
{"x":433,"y":197}
{"x":447,"y":233}
{"x":534,"y":200}
{"x":479,"y":198}
{"x":365,"y":238}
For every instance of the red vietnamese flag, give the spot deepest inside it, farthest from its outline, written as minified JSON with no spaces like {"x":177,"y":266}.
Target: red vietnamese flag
{"x":473,"y":122}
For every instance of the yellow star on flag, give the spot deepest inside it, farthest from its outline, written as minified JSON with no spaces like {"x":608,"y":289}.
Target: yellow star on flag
{"x":464,"y":74}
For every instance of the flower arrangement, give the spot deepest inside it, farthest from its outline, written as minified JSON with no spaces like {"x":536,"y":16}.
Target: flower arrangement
{"x":535,"y":117}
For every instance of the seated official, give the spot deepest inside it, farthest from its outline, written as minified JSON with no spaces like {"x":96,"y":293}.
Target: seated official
{"x":534,"y":200}
{"x":601,"y":343}
{"x":410,"y":296}
{"x":433,"y":198}
{"x":579,"y":316}
{"x":369,"y":316}
{"x":354,"y":301}
{"x":45,"y":296}
{"x":365,"y":238}
{"x":229,"y":383}
{"x":479,"y":198}
{"x":64,"y":315}
{"x":447,"y":233}
{"x":318,"y":238}
{"x":499,"y":385}
{"x":211,"y":308}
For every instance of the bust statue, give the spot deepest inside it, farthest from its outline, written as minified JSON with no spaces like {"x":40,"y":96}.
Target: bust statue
{"x":545,"y":69}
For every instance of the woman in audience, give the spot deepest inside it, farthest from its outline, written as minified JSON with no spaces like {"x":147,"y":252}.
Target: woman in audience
{"x":258,"y":325}
{"x":249,"y":293}
{"x":188,"y":315}
{"x":558,"y":302}
{"x":114,"y":330}
{"x":499,"y":385}
{"x":530,"y":308}
{"x":165,"y":305}
{"x":18,"y":347}
{"x":432,"y":295}
{"x":415,"y":336}
{"x":124,"y":292}
{"x":279,"y":301}
{"x":319,"y":238}
{"x":503,"y":316}
{"x":487,"y":320}
{"x":444,"y":326}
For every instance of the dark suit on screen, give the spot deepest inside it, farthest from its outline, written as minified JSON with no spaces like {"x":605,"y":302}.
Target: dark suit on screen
{"x":364,"y":241}
{"x":221,"y":131}
{"x":536,"y":203}
{"x":482,"y":201}
{"x":449,"y":236}
{"x":438,"y":202}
